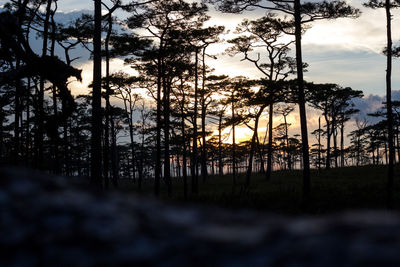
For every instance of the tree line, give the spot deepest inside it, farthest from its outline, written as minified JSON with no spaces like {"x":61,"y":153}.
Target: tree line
{"x":167,"y":121}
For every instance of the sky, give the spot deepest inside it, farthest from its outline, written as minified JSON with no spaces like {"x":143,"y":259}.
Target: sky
{"x":342,"y":51}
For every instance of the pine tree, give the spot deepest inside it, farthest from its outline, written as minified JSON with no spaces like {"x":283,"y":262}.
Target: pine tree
{"x":299,"y":14}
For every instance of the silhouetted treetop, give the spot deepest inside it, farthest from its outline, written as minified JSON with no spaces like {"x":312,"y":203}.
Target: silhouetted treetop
{"x":381,"y":4}
{"x":310,"y":11}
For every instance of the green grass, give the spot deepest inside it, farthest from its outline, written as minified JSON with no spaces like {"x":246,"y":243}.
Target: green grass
{"x":332,"y":190}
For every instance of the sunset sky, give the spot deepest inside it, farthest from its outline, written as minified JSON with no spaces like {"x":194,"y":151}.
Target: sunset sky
{"x":342,"y":51}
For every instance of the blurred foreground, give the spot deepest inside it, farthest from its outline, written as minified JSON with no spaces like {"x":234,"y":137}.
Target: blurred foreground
{"x":49,"y":221}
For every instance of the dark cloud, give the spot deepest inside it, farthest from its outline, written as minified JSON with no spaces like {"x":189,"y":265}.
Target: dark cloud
{"x":372,"y":103}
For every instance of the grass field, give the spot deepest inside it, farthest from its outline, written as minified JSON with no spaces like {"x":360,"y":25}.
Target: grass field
{"x":333,"y":190}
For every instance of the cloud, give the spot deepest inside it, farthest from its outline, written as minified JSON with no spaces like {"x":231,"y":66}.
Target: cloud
{"x":344,"y":51}
{"x":66,"y":17}
{"x":74,"y":5}
{"x":116,"y":65}
{"x":366,"y":105}
{"x":371,"y":104}
{"x":360,"y":70}
{"x":366,"y":33}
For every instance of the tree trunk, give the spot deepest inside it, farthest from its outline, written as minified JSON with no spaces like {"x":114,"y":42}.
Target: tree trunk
{"x":141,"y":161}
{"x":40,"y":113}
{"x":398,"y":142}
{"x":17,"y":115}
{"x":157,"y":171}
{"x":17,"y":107}
{"x":390,"y":173}
{"x":378,"y":158}
{"x":67,"y":170}
{"x":302,"y":103}
{"x":133,"y":157}
{"x":57,"y":167}
{"x":203,"y":122}
{"x":261,"y":155}
{"x":328,"y":143}
{"x":358,"y":150}
{"x":167,"y":162}
{"x":233,"y":145}
{"x":252,"y":147}
{"x":131,"y":134}
{"x":269,"y":149}
{"x":106,"y":149}
{"x":342,"y":145}
{"x":220,"y":162}
{"x":319,"y":143}
{"x":28,"y":122}
{"x":289,"y":159}
{"x":114,"y":154}
{"x":195,"y":175}
{"x":334,"y":134}
{"x":386,"y":151}
{"x":185,"y":178}
{"x":96,"y":179}
{"x":373,"y":155}
{"x":2,"y":117}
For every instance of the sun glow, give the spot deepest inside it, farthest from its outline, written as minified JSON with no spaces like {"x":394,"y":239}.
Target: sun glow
{"x":241,"y":134}
{"x":116,"y":65}
{"x":244,"y":133}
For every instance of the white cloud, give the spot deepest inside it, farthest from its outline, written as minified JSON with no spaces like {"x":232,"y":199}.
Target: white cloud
{"x":116,"y":65}
{"x":365,"y":33}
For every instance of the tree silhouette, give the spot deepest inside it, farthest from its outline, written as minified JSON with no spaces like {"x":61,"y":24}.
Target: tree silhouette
{"x":171,"y":120}
{"x":300,"y":14}
{"x":200,"y":38}
{"x":143,"y":127}
{"x":285,"y":110}
{"x":170,"y":23}
{"x":14,"y":32}
{"x":318,"y":132}
{"x":388,"y":5}
{"x":358,"y":141}
{"x":107,"y":114}
{"x":125,"y":88}
{"x":235,"y":92}
{"x":265,"y":34}
{"x":219,"y":108}
{"x":96,"y":148}
{"x":208,"y":36}
{"x":182,"y":95}
{"x":336,"y":106}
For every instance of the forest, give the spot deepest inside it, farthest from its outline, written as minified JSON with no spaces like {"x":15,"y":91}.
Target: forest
{"x":172,"y":125}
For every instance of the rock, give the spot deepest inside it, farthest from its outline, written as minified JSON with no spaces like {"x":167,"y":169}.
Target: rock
{"x":49,"y":221}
